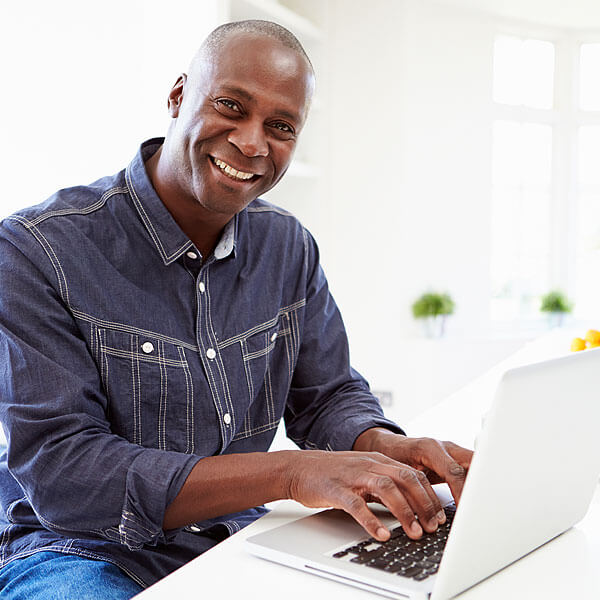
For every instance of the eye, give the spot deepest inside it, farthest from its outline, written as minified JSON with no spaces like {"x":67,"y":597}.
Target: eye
{"x":229,"y":104}
{"x":283,"y":129}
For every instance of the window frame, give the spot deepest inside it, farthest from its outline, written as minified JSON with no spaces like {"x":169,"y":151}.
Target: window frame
{"x":565,"y":118}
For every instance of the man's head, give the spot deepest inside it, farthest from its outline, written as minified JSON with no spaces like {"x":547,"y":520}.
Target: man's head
{"x":237,"y":115}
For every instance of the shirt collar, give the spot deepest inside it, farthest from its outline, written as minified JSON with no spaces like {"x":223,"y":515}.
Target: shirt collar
{"x":170,"y":241}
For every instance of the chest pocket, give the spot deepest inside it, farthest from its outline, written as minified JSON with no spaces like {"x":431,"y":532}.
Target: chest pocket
{"x":268,"y":358}
{"x":149,"y":388}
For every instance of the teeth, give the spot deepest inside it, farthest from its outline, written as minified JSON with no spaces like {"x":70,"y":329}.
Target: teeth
{"x":234,"y":173}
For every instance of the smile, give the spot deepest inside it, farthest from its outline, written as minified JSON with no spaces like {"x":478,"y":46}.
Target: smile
{"x":230,"y":171}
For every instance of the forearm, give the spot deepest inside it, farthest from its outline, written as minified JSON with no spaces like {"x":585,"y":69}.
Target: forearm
{"x":219,"y":485}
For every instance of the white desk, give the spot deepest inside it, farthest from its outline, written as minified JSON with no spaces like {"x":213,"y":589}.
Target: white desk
{"x":567,"y":567}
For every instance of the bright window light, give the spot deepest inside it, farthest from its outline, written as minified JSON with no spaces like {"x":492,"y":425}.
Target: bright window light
{"x":587,"y":268}
{"x":523,"y":72}
{"x":521,"y":218}
{"x":589,"y":79}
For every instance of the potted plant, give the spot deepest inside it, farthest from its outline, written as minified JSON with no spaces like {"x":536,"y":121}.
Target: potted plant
{"x":557,"y":305}
{"x":433,"y":308}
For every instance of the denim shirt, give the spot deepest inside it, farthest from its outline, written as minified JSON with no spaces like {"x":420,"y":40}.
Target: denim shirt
{"x":125,"y":359}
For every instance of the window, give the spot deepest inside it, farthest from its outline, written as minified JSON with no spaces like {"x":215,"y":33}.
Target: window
{"x":522,"y":176}
{"x":523,"y":72}
{"x":587,"y":241}
{"x":589,"y":83}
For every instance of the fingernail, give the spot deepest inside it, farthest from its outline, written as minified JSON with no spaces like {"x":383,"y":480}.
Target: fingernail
{"x":416,"y":528}
{"x":382,"y":533}
{"x":441,"y":517}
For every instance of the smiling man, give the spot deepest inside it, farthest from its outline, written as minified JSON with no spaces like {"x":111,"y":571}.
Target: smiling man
{"x":157,"y":325}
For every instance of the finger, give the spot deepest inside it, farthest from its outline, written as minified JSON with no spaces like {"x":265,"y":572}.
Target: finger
{"x":355,"y":506}
{"x":386,"y":489}
{"x":416,"y":488}
{"x":447,"y":468}
{"x":461,"y":455}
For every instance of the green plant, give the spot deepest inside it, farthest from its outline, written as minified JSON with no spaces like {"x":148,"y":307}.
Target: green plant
{"x":556,"y":302}
{"x":432,"y":304}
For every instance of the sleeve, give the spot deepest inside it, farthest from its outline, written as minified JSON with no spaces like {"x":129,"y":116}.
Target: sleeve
{"x":79,"y":477}
{"x":329,"y":404}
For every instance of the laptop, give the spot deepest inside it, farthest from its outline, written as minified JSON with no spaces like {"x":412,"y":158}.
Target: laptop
{"x":533,"y":476}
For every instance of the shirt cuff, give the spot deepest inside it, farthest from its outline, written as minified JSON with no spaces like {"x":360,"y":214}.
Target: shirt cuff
{"x":154,"y":479}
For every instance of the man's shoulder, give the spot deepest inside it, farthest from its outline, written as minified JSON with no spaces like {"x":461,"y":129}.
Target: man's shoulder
{"x":77,"y":201}
{"x":262,"y":207}
{"x":263,"y":214}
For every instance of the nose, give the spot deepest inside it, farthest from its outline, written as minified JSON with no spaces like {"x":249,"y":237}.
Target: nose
{"x":249,"y":138}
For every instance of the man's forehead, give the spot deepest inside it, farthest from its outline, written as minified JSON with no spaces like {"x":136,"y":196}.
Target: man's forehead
{"x":249,"y":65}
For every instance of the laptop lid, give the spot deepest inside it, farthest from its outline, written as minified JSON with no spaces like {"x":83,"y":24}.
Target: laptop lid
{"x":533,"y":475}
{"x":534,"y":471}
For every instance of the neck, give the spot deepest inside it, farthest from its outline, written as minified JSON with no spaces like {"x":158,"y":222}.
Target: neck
{"x":203,"y":227}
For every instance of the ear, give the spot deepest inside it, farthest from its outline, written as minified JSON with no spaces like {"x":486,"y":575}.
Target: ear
{"x":176,"y":96}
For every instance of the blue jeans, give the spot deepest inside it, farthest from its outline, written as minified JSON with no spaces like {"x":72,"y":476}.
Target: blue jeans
{"x":56,"y":576}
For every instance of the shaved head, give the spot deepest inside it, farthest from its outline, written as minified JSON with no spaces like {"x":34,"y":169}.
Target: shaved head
{"x":214,"y":43}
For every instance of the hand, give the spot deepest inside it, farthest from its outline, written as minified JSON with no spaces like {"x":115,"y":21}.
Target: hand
{"x":439,"y":461}
{"x":348,"y":480}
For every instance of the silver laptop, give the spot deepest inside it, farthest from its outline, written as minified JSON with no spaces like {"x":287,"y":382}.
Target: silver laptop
{"x":535,"y":469}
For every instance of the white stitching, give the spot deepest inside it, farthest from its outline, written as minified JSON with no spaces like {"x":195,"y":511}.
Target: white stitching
{"x":259,"y":328}
{"x":220,"y":365}
{"x":153,"y":234}
{"x":206,"y":364}
{"x":144,"y":357}
{"x":256,"y":430}
{"x":162,"y":407}
{"x":189,"y":397}
{"x":36,"y":233}
{"x":262,"y":209}
{"x":131,"y":329}
{"x":82,"y":211}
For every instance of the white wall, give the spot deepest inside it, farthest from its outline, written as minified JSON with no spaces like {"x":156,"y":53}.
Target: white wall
{"x":410,"y":97}
{"x":83,"y":84}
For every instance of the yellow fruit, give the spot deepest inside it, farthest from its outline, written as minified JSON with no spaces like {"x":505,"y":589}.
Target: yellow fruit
{"x":593,"y":337}
{"x":577,"y":344}
{"x":593,"y":345}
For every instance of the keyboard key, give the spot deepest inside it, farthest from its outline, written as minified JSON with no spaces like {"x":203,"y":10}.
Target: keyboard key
{"x":412,"y":571}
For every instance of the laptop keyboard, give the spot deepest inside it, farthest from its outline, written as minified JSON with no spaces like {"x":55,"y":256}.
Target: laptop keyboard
{"x":416,"y":559}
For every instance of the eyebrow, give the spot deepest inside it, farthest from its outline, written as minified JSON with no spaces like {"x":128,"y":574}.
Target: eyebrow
{"x":249,"y":97}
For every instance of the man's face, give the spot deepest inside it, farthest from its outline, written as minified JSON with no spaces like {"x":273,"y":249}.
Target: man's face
{"x":238,"y":117}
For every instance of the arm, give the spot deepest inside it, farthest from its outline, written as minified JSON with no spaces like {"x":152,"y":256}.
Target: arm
{"x":318,"y":479}
{"x":78,"y":476}
{"x":329,"y":406}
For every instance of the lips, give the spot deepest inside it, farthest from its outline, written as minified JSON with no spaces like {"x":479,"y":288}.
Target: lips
{"x":232,"y":172}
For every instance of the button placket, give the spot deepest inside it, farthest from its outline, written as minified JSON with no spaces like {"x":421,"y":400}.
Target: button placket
{"x":207,"y":343}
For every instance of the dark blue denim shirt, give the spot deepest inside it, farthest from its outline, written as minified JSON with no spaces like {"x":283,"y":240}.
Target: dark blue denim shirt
{"x":125,"y":359}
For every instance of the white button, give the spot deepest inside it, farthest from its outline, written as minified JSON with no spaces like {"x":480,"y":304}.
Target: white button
{"x":147,"y":347}
{"x":192,"y":255}
{"x":227,"y":418}
{"x":201,"y":287}
{"x":211,"y":353}
{"x":274,"y":337}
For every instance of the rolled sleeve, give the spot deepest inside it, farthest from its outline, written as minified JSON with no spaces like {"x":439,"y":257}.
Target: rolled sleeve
{"x":152,"y":482}
{"x":329,"y":404}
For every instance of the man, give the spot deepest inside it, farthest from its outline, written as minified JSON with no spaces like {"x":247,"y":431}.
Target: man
{"x":155,"y":327}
